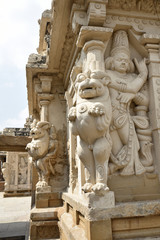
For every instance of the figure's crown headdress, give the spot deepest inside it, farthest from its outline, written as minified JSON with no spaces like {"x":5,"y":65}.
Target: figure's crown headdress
{"x":120,"y":43}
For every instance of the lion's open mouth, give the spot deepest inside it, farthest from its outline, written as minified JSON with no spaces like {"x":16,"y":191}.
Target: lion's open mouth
{"x":88,"y":89}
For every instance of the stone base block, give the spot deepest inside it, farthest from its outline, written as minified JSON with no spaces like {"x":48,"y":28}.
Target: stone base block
{"x":132,"y":220}
{"x":44,"y":224}
{"x":46,"y":189}
{"x":44,"y":200}
{"x":85,"y":229}
{"x":17,"y":193}
{"x":44,"y":230}
{"x":96,"y":201}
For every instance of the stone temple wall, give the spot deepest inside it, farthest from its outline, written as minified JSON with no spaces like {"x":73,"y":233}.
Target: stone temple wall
{"x":93,"y":92}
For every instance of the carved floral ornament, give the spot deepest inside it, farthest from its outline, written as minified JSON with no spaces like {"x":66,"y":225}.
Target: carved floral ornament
{"x":110,"y":116}
{"x":150,"y":6}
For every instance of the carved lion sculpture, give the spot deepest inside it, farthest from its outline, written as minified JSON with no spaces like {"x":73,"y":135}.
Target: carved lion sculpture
{"x":90,"y":120}
{"x":43,"y":149}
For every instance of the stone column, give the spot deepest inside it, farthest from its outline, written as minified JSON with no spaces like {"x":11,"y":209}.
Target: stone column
{"x":29,"y":173}
{"x":45,"y":97}
{"x":93,"y":41}
{"x":44,"y":110}
{"x":16,"y":170}
{"x":152,"y":44}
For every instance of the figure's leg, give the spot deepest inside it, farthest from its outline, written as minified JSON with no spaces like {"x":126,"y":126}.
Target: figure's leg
{"x":101,"y":152}
{"x":117,"y":143}
{"x":43,"y":169}
{"x":86,"y":156}
{"x":130,"y":139}
{"x":39,"y":175}
{"x":123,"y":132}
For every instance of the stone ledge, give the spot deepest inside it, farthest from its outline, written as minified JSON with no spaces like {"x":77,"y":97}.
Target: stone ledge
{"x":121,"y":210}
{"x":14,"y":143}
{"x":44,"y":214}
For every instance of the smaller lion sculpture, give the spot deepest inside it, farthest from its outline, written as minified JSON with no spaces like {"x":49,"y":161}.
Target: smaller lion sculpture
{"x":90,"y":120}
{"x":43,"y":150}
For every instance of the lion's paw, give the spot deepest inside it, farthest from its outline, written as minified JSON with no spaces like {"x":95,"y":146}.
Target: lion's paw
{"x":72,"y":114}
{"x":87,"y":187}
{"x":96,"y":110}
{"x":42,"y":184}
{"x":38,"y":184}
{"x":100,"y":189}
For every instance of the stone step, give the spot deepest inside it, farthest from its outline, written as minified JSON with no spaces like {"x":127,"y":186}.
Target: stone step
{"x":44,"y":214}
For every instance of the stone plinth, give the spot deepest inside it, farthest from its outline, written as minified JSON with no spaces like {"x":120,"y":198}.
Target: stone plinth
{"x":44,"y":200}
{"x":122,"y":221}
{"x":44,"y":223}
{"x":99,"y":201}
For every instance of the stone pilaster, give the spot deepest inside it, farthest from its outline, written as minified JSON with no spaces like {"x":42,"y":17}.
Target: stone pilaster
{"x":152,"y":44}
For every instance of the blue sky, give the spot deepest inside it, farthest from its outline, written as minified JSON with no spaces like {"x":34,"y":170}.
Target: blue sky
{"x":19,"y":38}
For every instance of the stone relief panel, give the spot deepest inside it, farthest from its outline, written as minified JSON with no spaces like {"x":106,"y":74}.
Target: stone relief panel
{"x":109,"y":114}
{"x":17,"y":172}
{"x":59,"y":179}
{"x":130,"y":129}
{"x":22,"y":169}
{"x":6,"y":175}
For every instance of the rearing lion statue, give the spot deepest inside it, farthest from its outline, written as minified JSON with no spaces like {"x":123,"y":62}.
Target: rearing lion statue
{"x":90,"y":120}
{"x":43,"y":148}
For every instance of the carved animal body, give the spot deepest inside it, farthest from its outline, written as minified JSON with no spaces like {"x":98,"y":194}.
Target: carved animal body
{"x":40,"y":148}
{"x":90,"y":120}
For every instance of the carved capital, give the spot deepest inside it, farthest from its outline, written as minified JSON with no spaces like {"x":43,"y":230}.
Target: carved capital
{"x":78,"y":17}
{"x":46,"y":83}
{"x":44,"y":100}
{"x":96,"y":13}
{"x":88,"y":33}
{"x":45,"y":97}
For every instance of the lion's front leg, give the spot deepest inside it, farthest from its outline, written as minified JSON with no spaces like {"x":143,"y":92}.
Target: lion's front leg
{"x":101,"y":152}
{"x":86,"y":156}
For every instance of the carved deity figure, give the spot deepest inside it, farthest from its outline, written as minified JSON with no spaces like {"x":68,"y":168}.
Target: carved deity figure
{"x":90,"y":120}
{"x":22,"y":171}
{"x":125,"y":89}
{"x":43,"y":150}
{"x":6,"y":175}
